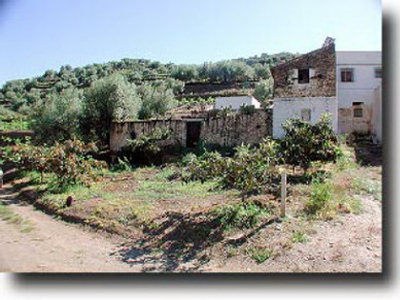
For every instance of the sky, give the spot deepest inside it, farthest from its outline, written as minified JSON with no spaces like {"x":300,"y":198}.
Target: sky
{"x":37,"y":35}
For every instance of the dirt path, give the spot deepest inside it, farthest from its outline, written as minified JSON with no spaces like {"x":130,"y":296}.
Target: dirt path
{"x":54,"y":246}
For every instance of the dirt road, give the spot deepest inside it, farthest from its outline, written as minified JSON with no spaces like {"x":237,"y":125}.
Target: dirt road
{"x":53,"y":245}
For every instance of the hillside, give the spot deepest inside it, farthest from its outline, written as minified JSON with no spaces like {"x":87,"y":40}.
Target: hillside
{"x":187,"y":81}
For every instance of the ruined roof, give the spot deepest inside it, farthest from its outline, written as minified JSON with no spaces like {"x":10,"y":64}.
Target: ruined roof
{"x":295,"y":60}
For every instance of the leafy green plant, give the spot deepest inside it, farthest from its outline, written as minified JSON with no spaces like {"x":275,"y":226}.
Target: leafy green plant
{"x":69,"y":161}
{"x":241,"y":215}
{"x":259,"y":254}
{"x":320,"y":194}
{"x":299,"y":237}
{"x":249,"y":170}
{"x":305,"y":142}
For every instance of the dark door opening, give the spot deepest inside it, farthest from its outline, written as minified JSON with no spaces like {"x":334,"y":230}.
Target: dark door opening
{"x":193,"y":130}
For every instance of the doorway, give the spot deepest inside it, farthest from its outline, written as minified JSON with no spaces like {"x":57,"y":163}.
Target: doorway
{"x":193,"y":130}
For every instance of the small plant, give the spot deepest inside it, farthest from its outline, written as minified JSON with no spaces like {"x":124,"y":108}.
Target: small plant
{"x":231,"y":250}
{"x":259,"y":254}
{"x":299,"y":237}
{"x":249,"y":170}
{"x":241,"y":215}
{"x":320,"y":194}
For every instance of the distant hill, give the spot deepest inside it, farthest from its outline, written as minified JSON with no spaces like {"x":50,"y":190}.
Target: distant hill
{"x":188,"y":81}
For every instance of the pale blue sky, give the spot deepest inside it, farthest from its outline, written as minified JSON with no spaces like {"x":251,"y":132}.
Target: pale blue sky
{"x":36,"y":35}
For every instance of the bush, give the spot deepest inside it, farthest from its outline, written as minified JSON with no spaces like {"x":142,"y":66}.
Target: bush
{"x":304,"y":142}
{"x":241,"y":215}
{"x":320,"y":194}
{"x":250,"y":170}
{"x":68,"y":161}
{"x":157,"y":99}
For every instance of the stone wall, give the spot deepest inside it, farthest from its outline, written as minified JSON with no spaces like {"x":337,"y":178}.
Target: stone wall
{"x":238,"y":128}
{"x":122,"y":131}
{"x":222,"y":130}
{"x":322,"y":83}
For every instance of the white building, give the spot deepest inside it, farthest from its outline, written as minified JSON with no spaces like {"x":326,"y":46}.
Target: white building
{"x":359,"y":77}
{"x":236,"y":102}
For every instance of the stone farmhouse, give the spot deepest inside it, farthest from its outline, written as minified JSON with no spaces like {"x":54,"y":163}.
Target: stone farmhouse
{"x":346,"y":85}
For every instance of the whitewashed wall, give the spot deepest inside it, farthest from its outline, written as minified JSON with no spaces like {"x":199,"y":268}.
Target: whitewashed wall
{"x":236,"y":102}
{"x":363,"y":88}
{"x":286,"y":108}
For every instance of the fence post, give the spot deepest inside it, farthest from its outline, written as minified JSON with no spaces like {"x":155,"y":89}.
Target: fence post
{"x":283,"y":194}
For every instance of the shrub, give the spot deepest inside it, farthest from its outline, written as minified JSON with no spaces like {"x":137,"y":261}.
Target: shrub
{"x":304,"y":142}
{"x":71,"y":163}
{"x":250,"y":170}
{"x":320,"y":194}
{"x":157,"y":99}
{"x":259,"y":254}
{"x":241,"y":215}
{"x":68,"y":161}
{"x":247,"y":109}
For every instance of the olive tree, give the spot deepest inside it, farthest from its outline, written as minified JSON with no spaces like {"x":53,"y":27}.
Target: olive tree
{"x":110,"y":99}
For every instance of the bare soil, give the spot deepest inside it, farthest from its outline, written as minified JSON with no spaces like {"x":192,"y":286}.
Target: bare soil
{"x":182,"y":236}
{"x":350,"y":243}
{"x":54,"y":246}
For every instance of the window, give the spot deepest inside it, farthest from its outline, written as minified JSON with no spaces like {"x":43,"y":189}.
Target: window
{"x":347,"y":75}
{"x":306,"y":114}
{"x":358,"y":112}
{"x":378,"y":72}
{"x":304,"y":76}
{"x":357,"y":109}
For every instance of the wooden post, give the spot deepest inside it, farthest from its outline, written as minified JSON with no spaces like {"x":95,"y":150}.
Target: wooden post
{"x":283,"y":194}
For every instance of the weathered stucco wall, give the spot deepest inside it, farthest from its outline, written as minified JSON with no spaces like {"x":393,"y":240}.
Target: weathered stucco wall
{"x":238,"y":128}
{"x":322,"y":75}
{"x":121,"y":132}
{"x":222,"y":130}
{"x":286,"y":108}
{"x":347,"y":123}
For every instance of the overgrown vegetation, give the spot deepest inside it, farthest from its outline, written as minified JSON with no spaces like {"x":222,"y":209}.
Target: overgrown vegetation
{"x":69,"y":161}
{"x":249,"y":170}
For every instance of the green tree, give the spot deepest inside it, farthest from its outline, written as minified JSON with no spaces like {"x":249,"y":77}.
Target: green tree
{"x":56,"y":118}
{"x":157,"y":99}
{"x":110,"y":99}
{"x":263,"y":90}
